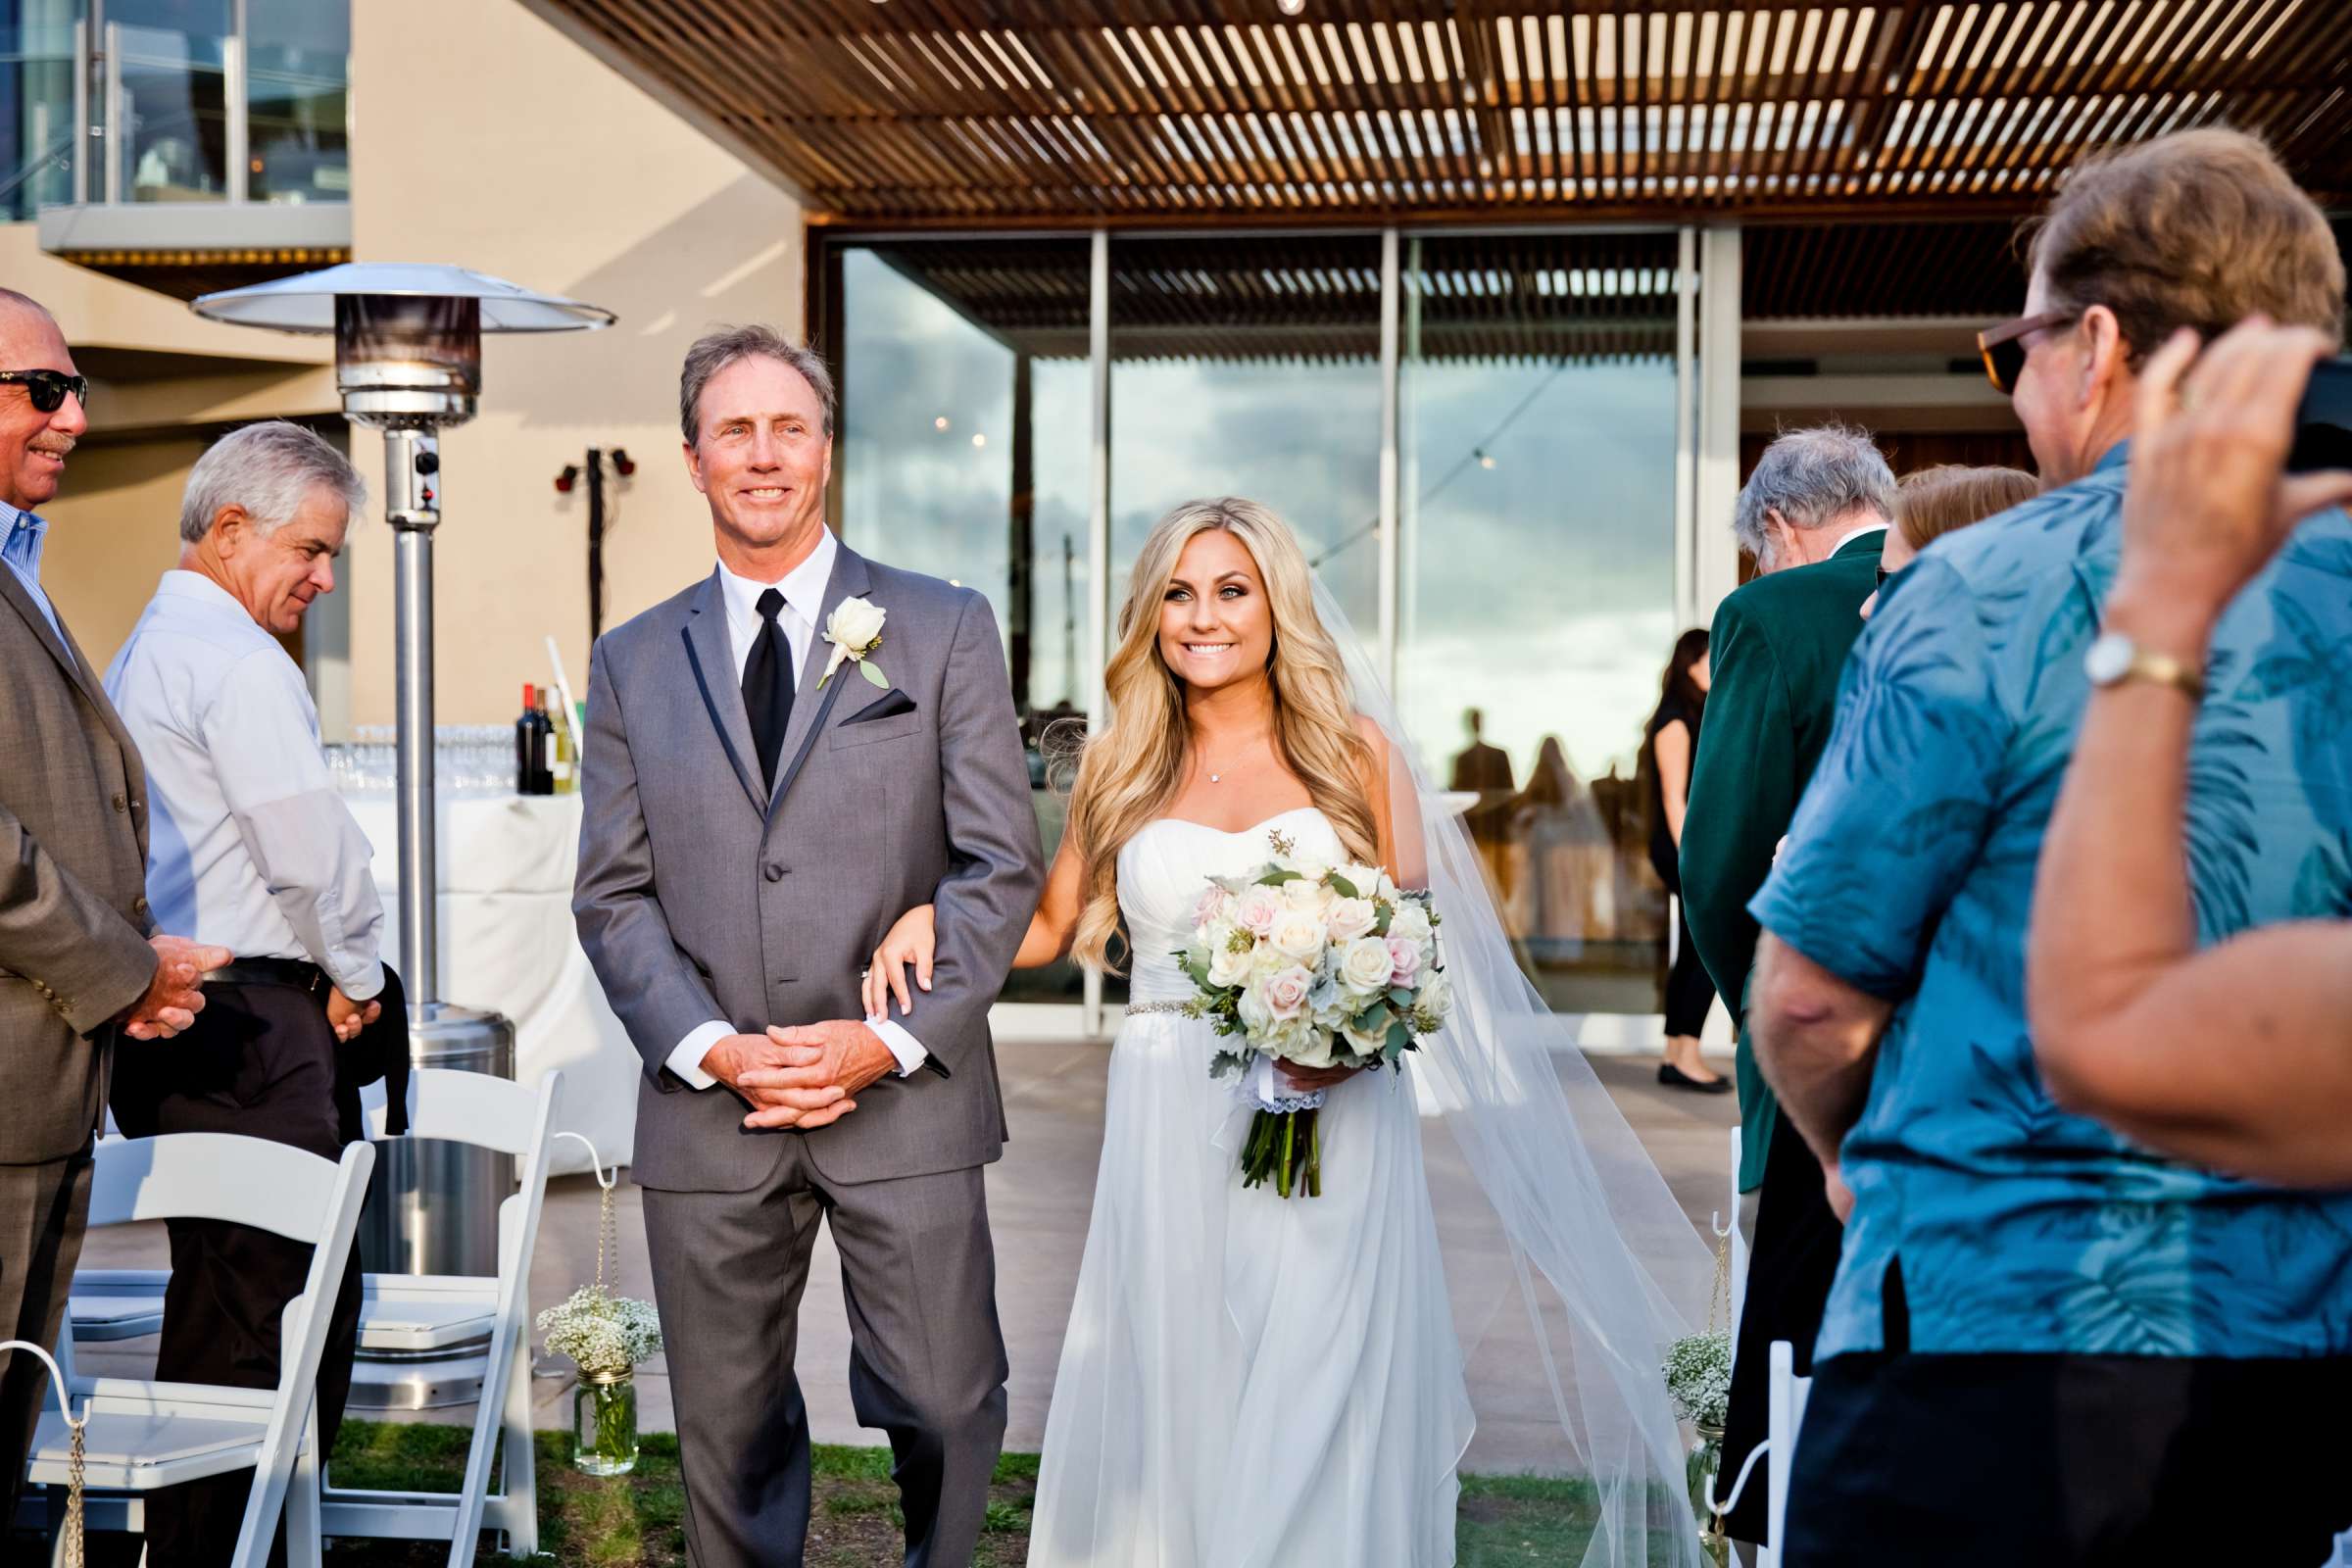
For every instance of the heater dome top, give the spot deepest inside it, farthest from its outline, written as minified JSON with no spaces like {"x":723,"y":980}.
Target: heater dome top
{"x":306,"y":301}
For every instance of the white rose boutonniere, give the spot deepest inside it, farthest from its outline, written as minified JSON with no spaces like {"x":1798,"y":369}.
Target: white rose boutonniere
{"x":854,"y":629}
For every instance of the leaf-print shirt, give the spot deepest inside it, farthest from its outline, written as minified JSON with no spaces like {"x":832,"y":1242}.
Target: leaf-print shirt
{"x":2012,"y":1225}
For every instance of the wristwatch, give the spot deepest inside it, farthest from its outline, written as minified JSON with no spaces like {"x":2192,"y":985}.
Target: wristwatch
{"x":2115,"y":659}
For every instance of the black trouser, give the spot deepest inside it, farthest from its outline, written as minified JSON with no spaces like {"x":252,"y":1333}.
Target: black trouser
{"x":1690,"y":993}
{"x":2070,"y":1461}
{"x":1789,"y":1269}
{"x":260,"y":1063}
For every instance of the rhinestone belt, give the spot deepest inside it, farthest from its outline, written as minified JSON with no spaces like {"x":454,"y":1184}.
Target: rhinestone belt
{"x":1135,"y":1008}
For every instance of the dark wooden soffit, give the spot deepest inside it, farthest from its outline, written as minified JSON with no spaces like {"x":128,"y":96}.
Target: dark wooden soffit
{"x":995,"y":111}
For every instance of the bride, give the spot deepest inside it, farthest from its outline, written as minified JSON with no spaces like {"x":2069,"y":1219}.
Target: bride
{"x":1247,"y":1380}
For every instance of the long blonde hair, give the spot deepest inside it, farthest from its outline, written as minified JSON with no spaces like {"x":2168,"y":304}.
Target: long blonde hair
{"x":1133,"y":768}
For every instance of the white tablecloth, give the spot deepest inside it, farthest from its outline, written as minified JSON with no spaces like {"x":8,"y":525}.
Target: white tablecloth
{"x":506,"y":943}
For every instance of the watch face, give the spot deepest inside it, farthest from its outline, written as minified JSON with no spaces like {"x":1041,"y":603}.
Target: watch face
{"x":2109,"y":659}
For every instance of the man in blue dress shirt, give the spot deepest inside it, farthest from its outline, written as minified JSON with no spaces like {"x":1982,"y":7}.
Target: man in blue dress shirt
{"x":2046,"y":1345}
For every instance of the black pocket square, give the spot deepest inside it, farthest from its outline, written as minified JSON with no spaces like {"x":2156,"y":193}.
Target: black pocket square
{"x":890,"y":705}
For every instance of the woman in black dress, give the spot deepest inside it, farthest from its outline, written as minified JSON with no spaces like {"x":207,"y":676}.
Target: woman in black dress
{"x":1668,"y":744}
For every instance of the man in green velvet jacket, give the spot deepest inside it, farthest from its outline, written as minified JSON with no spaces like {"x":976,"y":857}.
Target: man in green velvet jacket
{"x":1814,"y":514}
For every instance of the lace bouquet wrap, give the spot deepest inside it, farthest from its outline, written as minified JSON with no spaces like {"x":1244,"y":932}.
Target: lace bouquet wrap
{"x":1318,"y":966}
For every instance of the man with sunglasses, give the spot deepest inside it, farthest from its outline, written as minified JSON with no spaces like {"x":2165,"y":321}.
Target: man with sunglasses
{"x":79,"y":962}
{"x":2047,"y":1345}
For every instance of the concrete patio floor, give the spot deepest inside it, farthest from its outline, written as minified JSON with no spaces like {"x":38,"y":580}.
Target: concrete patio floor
{"x":1039,"y":1196}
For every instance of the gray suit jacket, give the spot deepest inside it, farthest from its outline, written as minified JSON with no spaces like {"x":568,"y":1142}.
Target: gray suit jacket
{"x":700,"y":896}
{"x":74,"y":918}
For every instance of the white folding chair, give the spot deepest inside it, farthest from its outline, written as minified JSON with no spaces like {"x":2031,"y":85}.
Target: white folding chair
{"x":434,"y":1311}
{"x":1784,"y":1412}
{"x":1738,"y":1240}
{"x":144,"y":1434}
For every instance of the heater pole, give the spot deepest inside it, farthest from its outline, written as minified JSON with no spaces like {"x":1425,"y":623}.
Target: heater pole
{"x":413,"y":506}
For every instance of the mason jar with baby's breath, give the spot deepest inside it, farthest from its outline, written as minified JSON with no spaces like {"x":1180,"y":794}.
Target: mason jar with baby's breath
{"x":606,"y":1336}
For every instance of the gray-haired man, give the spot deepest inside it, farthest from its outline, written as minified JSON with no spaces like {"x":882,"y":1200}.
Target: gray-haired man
{"x":1813,"y":515}
{"x":755,"y":818}
{"x":250,"y":848}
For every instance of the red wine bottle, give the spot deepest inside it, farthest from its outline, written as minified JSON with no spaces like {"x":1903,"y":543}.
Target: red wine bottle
{"x":530,"y":749}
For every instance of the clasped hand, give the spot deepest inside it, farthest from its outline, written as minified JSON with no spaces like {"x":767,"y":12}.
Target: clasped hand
{"x":802,"y":1078}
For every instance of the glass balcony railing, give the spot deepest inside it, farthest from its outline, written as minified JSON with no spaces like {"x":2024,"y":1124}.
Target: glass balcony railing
{"x":99,"y":107}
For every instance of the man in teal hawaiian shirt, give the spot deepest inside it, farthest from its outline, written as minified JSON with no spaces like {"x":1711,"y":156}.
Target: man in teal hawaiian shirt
{"x":2045,"y":1345}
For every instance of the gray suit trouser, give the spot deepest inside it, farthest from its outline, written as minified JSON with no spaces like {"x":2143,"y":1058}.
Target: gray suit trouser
{"x":42,"y":1211}
{"x":926,"y":1361}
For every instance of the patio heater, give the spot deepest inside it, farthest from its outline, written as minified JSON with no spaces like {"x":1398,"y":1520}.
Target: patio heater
{"x":408,"y":361}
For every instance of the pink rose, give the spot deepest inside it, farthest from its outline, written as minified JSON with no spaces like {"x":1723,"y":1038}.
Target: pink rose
{"x":1285,"y":992}
{"x":1404,"y":961}
{"x":1213,"y":899}
{"x":1255,"y":910}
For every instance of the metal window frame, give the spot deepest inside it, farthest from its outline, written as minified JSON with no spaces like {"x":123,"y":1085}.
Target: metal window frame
{"x":1706,"y":370}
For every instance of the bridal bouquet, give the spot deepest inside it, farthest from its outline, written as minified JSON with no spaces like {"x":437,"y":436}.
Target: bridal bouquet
{"x":1314,"y":964}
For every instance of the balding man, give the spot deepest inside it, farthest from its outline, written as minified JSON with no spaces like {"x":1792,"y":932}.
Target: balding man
{"x":80,"y":963}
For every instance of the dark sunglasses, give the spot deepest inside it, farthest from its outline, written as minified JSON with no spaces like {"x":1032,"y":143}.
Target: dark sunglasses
{"x":2003,"y":346}
{"x":48,"y":388}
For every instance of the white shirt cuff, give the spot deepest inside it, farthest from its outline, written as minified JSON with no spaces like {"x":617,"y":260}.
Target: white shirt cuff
{"x":687,"y":1059}
{"x":904,"y":1046}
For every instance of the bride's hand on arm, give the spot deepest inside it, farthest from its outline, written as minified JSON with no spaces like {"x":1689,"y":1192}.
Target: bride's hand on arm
{"x":910,"y":943}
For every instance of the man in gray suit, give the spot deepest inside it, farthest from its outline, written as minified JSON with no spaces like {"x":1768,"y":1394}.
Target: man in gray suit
{"x":761,"y":803}
{"x":77,"y":961}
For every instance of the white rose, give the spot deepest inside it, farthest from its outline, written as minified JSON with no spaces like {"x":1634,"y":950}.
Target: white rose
{"x":1306,"y":895}
{"x":1311,"y":1049}
{"x":1297,"y":934}
{"x":1254,"y":910}
{"x":1264,"y":960}
{"x":1285,"y":992}
{"x":1436,"y":995}
{"x":1227,"y":967}
{"x":1350,"y":918}
{"x":1254,"y":1011}
{"x":1364,"y":966}
{"x":1365,"y":879}
{"x":1369,"y":1042}
{"x":855,"y":625}
{"x":1410,"y":922}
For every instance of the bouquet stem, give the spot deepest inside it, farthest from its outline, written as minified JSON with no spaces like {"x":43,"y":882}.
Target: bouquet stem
{"x":1285,"y":1148}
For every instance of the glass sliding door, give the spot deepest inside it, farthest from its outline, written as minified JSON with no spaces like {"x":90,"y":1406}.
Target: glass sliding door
{"x":1250,"y":365}
{"x":964,"y":454}
{"x":1536,"y":578}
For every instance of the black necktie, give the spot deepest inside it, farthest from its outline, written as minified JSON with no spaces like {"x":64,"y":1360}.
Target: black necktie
{"x":767,"y":686}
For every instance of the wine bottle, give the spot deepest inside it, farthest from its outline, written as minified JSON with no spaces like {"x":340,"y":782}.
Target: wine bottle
{"x":564,"y":767}
{"x":546,"y":753}
{"x":526,"y":738}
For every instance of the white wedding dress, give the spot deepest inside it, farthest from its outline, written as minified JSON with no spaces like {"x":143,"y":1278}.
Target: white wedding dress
{"x":1247,"y":1379}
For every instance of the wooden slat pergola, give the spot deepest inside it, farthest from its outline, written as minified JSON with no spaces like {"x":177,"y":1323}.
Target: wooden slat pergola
{"x":1000,"y":113}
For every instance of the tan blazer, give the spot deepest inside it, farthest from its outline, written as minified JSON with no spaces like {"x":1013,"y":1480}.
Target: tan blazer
{"x":73,"y":920}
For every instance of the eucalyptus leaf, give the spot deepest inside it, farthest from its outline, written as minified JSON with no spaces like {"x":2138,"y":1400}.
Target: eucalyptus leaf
{"x":873,"y":675}
{"x":1341,"y":886}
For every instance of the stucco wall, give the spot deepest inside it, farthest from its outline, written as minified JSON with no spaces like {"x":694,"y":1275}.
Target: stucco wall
{"x":484,"y":137}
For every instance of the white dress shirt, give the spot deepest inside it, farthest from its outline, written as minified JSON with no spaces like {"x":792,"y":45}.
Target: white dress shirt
{"x":1852,"y":534}
{"x":249,"y":847}
{"x":803,"y":590}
